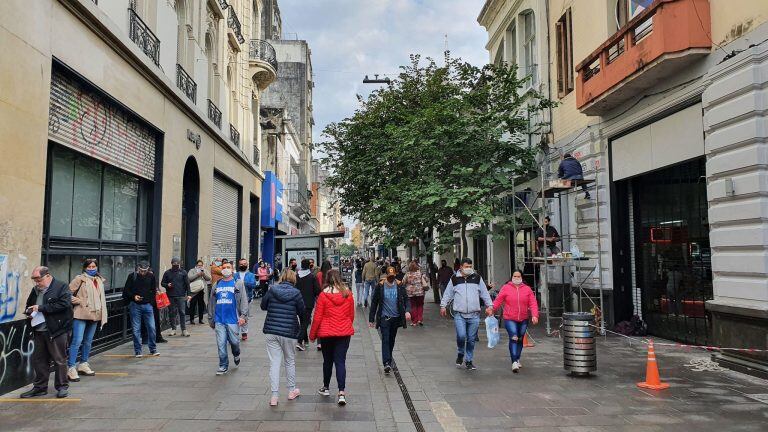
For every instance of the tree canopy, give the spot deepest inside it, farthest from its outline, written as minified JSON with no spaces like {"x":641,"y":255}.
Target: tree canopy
{"x":440,"y":146}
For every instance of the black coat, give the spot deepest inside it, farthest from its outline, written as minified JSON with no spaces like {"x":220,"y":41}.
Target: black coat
{"x":309,"y":288}
{"x":284,"y":306}
{"x":377,"y":306}
{"x":144,"y":286}
{"x":570,"y":169}
{"x":180,"y":283}
{"x":57,"y":307}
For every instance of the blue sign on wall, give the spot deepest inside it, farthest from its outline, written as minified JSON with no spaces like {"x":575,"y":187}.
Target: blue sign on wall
{"x":271,"y":200}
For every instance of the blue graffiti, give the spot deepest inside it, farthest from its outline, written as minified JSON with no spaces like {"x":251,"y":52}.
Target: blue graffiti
{"x":9,"y":296}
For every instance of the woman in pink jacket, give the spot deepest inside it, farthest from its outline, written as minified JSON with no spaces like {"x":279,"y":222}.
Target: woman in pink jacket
{"x":518,"y":299}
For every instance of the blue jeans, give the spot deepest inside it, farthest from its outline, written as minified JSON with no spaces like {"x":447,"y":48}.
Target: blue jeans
{"x":388,"y":329}
{"x":227,"y":333}
{"x":142,"y":313}
{"x":466,"y":334}
{"x":82,"y":334}
{"x":516,"y":331}
{"x":368,"y":289}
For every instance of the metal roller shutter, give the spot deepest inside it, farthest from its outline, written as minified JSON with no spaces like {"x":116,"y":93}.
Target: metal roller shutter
{"x":224,"y":220}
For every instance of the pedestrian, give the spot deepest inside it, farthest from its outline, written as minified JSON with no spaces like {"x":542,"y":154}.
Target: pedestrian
{"x":198,"y":282}
{"x":312,"y":267}
{"x":444,"y":276}
{"x":466,"y":289}
{"x":456,"y":265}
{"x":310,"y":289}
{"x":249,"y":280}
{"x":519,"y":302}
{"x":370,"y":279}
{"x":390,"y":310}
{"x":570,"y":169}
{"x":416,"y":285}
{"x":89,"y":303}
{"x":176,"y":285}
{"x":263,"y":273}
{"x":324,"y":269}
{"x":332,"y":327}
{"x":53,"y":300}
{"x":227,"y":311}
{"x":139,"y":294}
{"x":359,"y":283}
{"x":285,"y":306}
{"x":216,"y":270}
{"x":292,"y":264}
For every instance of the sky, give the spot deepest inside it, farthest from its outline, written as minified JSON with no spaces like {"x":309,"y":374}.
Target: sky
{"x":352,"y":38}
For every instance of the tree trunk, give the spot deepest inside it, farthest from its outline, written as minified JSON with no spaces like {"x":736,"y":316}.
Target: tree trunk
{"x":463,"y":250}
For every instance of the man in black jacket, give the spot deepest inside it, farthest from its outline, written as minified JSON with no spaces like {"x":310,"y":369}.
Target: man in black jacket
{"x":310,"y":289}
{"x":176,"y":284}
{"x":52,"y":299}
{"x":139,"y":294}
{"x":390,"y":309}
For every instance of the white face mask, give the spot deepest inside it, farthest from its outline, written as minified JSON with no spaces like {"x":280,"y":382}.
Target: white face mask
{"x":226,"y":272}
{"x":517,"y":281}
{"x":468,"y":271}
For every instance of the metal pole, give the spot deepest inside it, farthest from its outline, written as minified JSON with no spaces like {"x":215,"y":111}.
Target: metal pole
{"x":599,"y":251}
{"x":544,"y":266}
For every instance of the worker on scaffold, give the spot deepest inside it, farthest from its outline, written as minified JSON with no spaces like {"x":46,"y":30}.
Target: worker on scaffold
{"x":551,"y":238}
{"x":570,"y":169}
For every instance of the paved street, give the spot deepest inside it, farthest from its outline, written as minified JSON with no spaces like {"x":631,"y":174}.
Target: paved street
{"x":179,"y":391}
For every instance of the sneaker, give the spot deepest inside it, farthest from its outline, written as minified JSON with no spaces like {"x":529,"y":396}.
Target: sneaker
{"x":519,"y":365}
{"x":155,"y":354}
{"x":342,"y":400}
{"x":273,"y":401}
{"x":319,"y":348}
{"x":237,"y":360}
{"x":244,"y":336}
{"x":470,"y":366}
{"x":323,"y":391}
{"x":293,"y":394}
{"x":72,"y":375}
{"x":459,"y":360}
{"x":85,"y":369}
{"x":138,"y":355}
{"x":191,"y":323}
{"x":172,"y":333}
{"x":62,"y":393}
{"x":587,"y":196}
{"x":301,"y":347}
{"x":387,"y":369}
{"x":515,"y":367}
{"x":221,"y":371}
{"x":161,"y":340}
{"x":421,"y":324}
{"x":185,"y":333}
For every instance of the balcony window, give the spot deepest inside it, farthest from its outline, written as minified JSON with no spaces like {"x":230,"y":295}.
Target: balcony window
{"x":564,"y":54}
{"x":142,"y":36}
{"x":186,"y":83}
{"x":529,"y":47}
{"x":234,"y":135}
{"x":214,"y":113}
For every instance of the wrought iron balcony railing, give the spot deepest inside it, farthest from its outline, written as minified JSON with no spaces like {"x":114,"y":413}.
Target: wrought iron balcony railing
{"x":234,"y":135}
{"x":214,"y":113}
{"x":142,"y":36}
{"x":223,"y":3}
{"x":234,"y":23}
{"x":264,"y":51}
{"x":186,"y":83}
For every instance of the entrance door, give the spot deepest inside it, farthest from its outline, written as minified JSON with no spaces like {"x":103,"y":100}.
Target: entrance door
{"x":255,"y":237}
{"x":673,"y":264}
{"x":190,"y":213}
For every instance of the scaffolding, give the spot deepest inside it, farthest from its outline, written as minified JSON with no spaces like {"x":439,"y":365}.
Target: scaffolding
{"x":565,"y":260}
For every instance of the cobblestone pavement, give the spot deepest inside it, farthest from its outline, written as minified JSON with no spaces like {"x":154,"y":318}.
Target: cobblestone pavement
{"x":179,"y":390}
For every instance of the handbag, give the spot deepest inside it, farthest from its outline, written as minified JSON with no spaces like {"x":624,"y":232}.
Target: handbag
{"x":162,"y":300}
{"x":425,"y":282}
{"x":196,"y":286}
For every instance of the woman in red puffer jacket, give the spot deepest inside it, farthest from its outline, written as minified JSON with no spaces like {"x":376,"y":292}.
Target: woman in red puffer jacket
{"x":332,"y":324}
{"x":518,"y":300}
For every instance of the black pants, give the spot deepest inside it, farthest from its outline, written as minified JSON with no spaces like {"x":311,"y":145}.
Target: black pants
{"x":158,"y":327}
{"x":335,"y":354}
{"x":47,"y":350}
{"x":304,"y":322}
{"x":388,"y":328}
{"x":197,"y":305}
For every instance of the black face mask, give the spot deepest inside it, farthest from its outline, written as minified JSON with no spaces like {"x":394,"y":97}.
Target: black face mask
{"x":175,"y":266}
{"x":293,"y":267}
{"x":243,"y":267}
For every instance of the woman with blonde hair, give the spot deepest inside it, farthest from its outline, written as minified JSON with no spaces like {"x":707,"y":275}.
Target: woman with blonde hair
{"x":284,"y":306}
{"x":332,"y":325}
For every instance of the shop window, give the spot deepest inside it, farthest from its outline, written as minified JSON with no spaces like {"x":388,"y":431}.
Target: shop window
{"x":121,"y":193}
{"x":564,"y":54}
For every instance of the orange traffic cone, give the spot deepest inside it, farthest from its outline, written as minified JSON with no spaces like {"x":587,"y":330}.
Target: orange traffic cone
{"x":527,"y":342}
{"x":652,"y":380}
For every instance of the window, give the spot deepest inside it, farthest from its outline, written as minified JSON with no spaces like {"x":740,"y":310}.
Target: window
{"x":564,"y":54}
{"x":529,"y":47}
{"x":510,"y":44}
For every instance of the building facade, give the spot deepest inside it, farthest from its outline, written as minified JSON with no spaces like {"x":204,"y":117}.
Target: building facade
{"x":661,"y":102}
{"x":129,"y":135}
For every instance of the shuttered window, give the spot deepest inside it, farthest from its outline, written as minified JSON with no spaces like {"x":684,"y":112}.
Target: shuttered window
{"x":225,"y":219}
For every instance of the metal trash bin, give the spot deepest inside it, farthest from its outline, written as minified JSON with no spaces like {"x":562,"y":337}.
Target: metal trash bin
{"x":579,"y":353}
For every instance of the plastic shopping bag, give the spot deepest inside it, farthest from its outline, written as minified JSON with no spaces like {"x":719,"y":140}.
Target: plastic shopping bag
{"x":162,"y":300}
{"x":492,"y":330}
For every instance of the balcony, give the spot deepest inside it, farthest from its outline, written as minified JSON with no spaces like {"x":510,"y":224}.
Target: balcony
{"x":262,"y":60}
{"x":142,"y":36}
{"x":186,"y":84}
{"x":234,"y":135}
{"x":233,"y":22}
{"x":214,"y":113}
{"x":656,"y":44}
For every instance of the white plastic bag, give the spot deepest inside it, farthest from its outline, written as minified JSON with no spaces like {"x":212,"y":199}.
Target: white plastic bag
{"x":492,"y":330}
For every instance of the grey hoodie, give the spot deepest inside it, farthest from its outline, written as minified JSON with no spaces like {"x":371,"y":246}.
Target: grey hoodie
{"x":466,"y":293}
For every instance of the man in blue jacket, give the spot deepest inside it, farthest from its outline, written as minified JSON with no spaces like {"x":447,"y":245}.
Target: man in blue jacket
{"x":570,"y":169}
{"x":249,"y":280}
{"x":465,"y":289}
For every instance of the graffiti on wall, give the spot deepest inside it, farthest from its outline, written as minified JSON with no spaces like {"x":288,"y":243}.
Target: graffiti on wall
{"x":16,"y":348}
{"x":86,"y":120}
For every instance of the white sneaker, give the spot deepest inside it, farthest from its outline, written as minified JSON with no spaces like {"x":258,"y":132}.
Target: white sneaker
{"x":185,"y":333}
{"x":519,"y":365}
{"x":72,"y":374}
{"x":172,"y":333}
{"x":85,"y":369}
{"x":515,"y":367}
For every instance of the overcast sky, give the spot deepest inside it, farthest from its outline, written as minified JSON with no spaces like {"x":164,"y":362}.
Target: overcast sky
{"x":352,"y":38}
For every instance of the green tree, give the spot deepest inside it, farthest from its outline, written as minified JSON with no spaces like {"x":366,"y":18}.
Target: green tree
{"x":439,"y":146}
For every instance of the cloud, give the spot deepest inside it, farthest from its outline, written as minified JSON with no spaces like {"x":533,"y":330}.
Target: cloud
{"x":353,"y":38}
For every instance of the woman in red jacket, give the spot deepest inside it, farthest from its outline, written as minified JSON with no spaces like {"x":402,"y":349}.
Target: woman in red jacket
{"x":518,"y":299}
{"x":332,"y":324}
